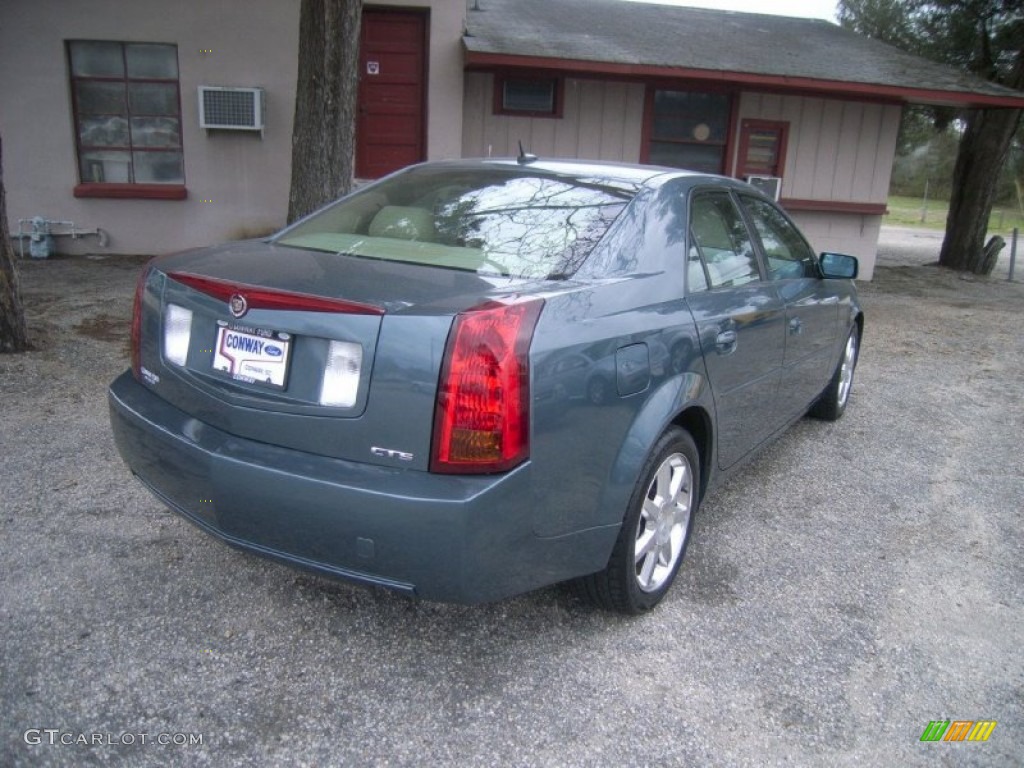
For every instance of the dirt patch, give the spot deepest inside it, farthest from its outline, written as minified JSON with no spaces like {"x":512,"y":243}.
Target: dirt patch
{"x":102,"y":328}
{"x":933,"y":282}
{"x":68,"y":298}
{"x":931,"y":315}
{"x":78,"y":312}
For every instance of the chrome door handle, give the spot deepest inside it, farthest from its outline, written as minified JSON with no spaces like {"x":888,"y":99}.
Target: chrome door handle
{"x":796,"y":325}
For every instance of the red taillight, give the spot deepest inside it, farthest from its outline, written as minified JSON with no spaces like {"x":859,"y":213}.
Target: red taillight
{"x":136,"y":343}
{"x":482,"y":419}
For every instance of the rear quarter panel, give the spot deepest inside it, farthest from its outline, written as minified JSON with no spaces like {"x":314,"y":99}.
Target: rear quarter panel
{"x":628,"y":324}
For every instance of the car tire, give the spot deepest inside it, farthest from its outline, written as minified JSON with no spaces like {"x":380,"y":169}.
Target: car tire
{"x":832,"y":403}
{"x":659,"y":519}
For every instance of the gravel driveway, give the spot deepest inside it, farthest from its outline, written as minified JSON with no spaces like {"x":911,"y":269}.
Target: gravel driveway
{"x":859,"y":580}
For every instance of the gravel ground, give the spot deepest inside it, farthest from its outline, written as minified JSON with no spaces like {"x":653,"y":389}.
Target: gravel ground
{"x":857,"y":581}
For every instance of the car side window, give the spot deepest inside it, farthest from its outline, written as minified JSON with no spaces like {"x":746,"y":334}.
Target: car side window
{"x":723,"y":240}
{"x":786,"y":252}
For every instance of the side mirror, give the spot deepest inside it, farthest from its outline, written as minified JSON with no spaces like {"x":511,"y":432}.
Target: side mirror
{"x":838,"y":266}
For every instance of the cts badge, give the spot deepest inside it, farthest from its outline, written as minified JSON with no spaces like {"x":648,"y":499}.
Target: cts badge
{"x":387,"y":453}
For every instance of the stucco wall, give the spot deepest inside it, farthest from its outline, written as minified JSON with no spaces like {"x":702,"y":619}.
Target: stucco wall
{"x":444,"y":91}
{"x":600,"y":121}
{"x":245,"y":176}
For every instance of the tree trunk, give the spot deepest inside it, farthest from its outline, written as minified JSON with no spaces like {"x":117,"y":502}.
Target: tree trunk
{"x":980,"y":157}
{"x":13,"y":335}
{"x":323,"y":133}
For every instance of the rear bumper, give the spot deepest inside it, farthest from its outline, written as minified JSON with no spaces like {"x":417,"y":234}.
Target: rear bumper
{"x":450,"y":538}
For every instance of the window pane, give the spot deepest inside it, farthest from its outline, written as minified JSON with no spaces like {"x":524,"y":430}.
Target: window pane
{"x":694,"y":157}
{"x":124,"y":125}
{"x":686,"y":116}
{"x":103,"y":132}
{"x":786,"y":251}
{"x":149,"y":60}
{"x":156,"y":132}
{"x":158,"y":168}
{"x":527,"y":223}
{"x":95,"y":98}
{"x":96,"y":59}
{"x":529,"y":96}
{"x":762,"y":147}
{"x":153,"y":98}
{"x":763,"y":151}
{"x":507,"y":222}
{"x":724,"y":241}
{"x":106,"y":167}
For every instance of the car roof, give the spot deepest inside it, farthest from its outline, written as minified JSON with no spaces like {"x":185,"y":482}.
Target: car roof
{"x":630,"y":173}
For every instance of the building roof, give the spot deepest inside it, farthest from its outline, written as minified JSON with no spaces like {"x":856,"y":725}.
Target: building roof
{"x":614,"y":37}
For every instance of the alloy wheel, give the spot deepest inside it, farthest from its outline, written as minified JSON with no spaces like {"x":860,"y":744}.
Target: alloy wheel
{"x":846,"y":371}
{"x":664,"y":522}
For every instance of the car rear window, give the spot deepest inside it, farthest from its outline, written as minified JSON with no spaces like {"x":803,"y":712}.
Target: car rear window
{"x":497,"y":221}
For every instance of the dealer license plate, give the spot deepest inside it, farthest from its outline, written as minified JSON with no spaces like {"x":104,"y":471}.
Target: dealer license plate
{"x":253,"y":355}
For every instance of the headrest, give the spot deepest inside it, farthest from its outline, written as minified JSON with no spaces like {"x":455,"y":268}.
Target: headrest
{"x":403,"y":223}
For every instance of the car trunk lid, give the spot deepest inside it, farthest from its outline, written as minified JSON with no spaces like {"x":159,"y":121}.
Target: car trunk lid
{"x":281,"y":345}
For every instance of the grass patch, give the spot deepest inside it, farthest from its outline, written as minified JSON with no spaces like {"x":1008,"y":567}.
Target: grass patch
{"x":909,"y":212}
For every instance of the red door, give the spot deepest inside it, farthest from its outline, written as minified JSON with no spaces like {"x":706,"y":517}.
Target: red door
{"x":392,"y":92}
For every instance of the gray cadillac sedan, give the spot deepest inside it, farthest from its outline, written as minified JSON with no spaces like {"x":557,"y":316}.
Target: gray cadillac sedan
{"x":475,"y":378}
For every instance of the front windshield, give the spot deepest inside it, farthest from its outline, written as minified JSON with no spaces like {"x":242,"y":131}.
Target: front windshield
{"x":496,"y":221}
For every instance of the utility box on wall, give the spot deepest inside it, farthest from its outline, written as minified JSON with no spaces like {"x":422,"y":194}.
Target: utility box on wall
{"x":768,"y":185}
{"x":232,"y":109}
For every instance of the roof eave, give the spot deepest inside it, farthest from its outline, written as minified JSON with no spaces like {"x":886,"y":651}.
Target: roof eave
{"x":475,"y":59}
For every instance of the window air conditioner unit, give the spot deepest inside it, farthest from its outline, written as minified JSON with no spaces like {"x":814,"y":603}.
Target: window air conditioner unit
{"x":232,"y":109}
{"x":770,"y":186}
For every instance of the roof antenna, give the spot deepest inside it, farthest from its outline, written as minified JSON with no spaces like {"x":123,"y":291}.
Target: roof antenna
{"x":524,"y":157}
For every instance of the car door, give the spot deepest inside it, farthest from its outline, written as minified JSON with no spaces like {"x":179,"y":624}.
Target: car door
{"x":740,"y":320}
{"x":812,"y":307}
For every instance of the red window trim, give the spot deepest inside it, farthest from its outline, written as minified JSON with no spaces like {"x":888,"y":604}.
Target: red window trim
{"x":127,"y":191}
{"x":748,"y":126}
{"x":499,"y":91}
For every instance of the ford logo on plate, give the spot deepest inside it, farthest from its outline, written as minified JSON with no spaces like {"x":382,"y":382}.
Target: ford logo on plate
{"x":272,"y":350}
{"x":238,"y":305}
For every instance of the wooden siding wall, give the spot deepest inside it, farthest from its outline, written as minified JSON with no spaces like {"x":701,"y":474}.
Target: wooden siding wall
{"x":837,"y":150}
{"x":600,"y":121}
